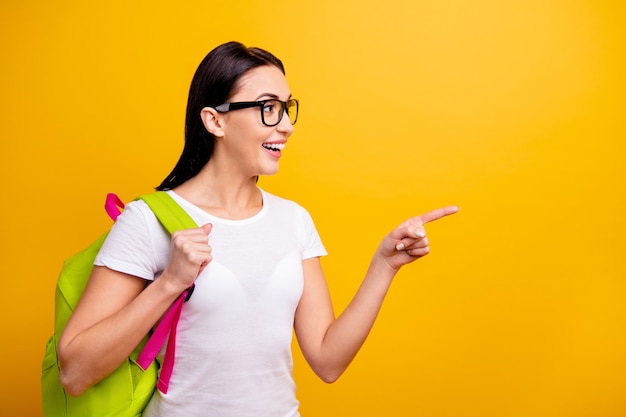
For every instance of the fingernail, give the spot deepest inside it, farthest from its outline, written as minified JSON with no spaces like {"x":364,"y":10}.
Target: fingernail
{"x":419,"y":233}
{"x":400,"y":246}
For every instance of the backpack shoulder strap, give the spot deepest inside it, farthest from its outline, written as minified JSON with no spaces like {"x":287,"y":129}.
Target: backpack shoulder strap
{"x":169,"y":212}
{"x":173,"y":218}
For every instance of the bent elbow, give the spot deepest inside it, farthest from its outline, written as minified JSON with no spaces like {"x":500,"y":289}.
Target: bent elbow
{"x":329,"y":375}
{"x":69,"y":378}
{"x":71,"y":385}
{"x":329,"y":379}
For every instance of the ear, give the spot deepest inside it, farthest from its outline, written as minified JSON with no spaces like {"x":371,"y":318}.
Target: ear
{"x":212,"y":121}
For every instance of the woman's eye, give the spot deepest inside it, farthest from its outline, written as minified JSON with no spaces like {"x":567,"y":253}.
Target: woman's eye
{"x":269,"y":108}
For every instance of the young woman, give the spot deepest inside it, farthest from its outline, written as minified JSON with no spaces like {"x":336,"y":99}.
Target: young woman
{"x":255,"y":260}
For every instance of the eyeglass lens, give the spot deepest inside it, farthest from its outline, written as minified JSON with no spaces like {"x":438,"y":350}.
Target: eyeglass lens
{"x":272,"y":111}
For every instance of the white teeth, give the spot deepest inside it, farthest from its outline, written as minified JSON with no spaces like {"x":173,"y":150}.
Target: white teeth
{"x":274,"y":146}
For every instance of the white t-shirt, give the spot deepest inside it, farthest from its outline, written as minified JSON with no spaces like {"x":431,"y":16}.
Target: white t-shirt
{"x":233,"y":344}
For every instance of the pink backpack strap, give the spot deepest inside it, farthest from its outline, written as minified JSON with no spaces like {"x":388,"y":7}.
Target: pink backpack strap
{"x":172,"y":217}
{"x":113,"y":206}
{"x":167,"y":326}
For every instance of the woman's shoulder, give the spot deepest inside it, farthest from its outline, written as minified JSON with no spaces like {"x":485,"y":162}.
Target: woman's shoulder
{"x":137,"y":208}
{"x":285,"y":209}
{"x":137,"y":215}
{"x":275,"y":201}
{"x":136,"y":244}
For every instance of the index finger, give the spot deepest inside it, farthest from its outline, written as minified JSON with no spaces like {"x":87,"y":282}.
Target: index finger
{"x":437,"y":214}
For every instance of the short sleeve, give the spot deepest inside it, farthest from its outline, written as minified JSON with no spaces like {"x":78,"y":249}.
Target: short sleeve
{"x":137,"y":244}
{"x":311,"y":242}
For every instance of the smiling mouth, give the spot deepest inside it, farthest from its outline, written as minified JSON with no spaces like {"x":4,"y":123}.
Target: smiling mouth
{"x":274,"y":146}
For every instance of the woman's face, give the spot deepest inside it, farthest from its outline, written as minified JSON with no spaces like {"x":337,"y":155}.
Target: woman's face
{"x":251,"y":146}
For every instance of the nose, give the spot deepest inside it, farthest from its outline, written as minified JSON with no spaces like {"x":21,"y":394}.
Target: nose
{"x":285,"y":125}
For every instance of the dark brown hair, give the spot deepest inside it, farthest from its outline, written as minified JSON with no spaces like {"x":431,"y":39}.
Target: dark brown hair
{"x":212,"y":85}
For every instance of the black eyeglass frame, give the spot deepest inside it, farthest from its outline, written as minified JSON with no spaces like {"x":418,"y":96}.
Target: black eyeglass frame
{"x":226,"y":107}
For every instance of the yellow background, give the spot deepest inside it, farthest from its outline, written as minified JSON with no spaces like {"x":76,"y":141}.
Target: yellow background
{"x":513,"y":110}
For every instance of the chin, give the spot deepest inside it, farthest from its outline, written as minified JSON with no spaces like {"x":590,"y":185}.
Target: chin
{"x":268,"y":171}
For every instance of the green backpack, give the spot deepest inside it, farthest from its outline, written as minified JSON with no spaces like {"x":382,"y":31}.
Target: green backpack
{"x":125,"y":392}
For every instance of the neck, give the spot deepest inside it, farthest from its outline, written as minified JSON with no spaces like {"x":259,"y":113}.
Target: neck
{"x":222,"y":195}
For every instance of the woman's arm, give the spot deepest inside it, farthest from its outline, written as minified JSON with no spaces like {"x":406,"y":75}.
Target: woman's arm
{"x":117,"y":310}
{"x":330,"y":344}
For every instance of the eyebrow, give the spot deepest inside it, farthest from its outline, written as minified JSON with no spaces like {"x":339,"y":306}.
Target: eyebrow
{"x":271,"y":95}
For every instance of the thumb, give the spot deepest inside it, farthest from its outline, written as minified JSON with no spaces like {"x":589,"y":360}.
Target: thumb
{"x":207,"y":228}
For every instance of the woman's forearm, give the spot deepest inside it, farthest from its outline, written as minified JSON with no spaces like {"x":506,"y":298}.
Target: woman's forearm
{"x":88,"y":356}
{"x":348,"y":332}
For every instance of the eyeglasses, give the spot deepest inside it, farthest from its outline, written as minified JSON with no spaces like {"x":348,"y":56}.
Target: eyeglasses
{"x":272,"y":110}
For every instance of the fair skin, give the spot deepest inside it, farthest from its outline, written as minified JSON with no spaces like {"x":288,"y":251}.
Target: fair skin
{"x":117,"y":309}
